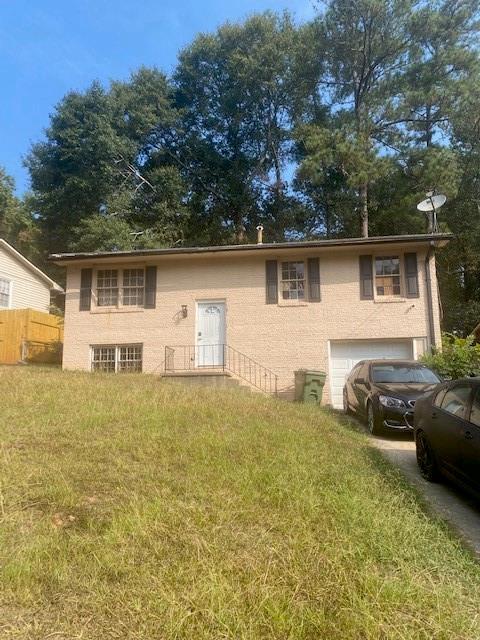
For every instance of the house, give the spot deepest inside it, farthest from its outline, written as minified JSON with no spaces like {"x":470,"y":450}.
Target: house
{"x":256,"y":310}
{"x":22,"y":284}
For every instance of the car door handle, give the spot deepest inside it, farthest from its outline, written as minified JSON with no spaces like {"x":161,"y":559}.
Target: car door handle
{"x":468,"y":435}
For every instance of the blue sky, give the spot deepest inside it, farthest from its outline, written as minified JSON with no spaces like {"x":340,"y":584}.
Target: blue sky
{"x":48,"y":47}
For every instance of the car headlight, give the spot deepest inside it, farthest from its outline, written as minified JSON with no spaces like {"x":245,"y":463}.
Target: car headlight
{"x":388,"y":401}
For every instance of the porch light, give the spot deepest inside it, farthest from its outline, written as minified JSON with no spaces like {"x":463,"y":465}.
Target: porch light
{"x":184,"y":311}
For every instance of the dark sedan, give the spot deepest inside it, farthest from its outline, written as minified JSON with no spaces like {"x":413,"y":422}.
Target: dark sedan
{"x":384,"y":392}
{"x":447,"y":433}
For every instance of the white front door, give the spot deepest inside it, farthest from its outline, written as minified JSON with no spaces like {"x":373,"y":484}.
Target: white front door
{"x":210,"y":334}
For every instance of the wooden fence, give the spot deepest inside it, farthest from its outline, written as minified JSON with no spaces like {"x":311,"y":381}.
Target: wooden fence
{"x":30,"y":336}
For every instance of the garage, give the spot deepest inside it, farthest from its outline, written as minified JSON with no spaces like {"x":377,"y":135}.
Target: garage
{"x":345,"y":355}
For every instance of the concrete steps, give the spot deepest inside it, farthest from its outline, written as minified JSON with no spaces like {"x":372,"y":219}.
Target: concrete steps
{"x":203,"y":378}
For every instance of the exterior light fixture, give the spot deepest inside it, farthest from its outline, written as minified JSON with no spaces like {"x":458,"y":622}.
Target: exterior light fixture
{"x":184,"y":311}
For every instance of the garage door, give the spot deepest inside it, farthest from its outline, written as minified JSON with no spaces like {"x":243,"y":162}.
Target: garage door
{"x":345,"y":355}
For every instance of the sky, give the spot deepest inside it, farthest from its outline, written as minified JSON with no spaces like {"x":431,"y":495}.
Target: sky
{"x":49,"y":47}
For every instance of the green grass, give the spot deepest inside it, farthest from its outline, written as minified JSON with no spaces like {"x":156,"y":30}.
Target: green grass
{"x":133,"y":508}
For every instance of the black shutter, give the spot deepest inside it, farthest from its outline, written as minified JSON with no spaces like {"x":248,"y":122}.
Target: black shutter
{"x":150,"y":287}
{"x":314,"y":279}
{"x":366,"y":278}
{"x":271,"y":281}
{"x":411,"y":275}
{"x":85,"y":289}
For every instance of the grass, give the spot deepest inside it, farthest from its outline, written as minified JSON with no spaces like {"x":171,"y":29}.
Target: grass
{"x":136,"y":509}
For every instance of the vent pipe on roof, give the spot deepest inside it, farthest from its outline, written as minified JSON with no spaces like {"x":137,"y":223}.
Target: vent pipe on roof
{"x":260,"y":234}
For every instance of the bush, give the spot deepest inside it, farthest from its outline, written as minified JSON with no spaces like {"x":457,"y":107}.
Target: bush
{"x":458,"y":358}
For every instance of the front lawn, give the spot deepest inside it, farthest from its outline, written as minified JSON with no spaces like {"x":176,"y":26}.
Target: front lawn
{"x":136,"y":509}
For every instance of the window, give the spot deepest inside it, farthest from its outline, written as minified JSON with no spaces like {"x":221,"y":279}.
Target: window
{"x":4,"y":292}
{"x":403,"y":374}
{"x":293,"y":280}
{"x":103,"y":359}
{"x":107,"y":288}
{"x":387,"y":276}
{"x":456,"y":400}
{"x":130,"y":358}
{"x":439,"y":397}
{"x":133,"y":287}
{"x":117,"y":358}
{"x":475,"y":413}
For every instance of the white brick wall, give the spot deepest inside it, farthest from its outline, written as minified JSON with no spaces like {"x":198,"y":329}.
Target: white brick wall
{"x":282,"y":337}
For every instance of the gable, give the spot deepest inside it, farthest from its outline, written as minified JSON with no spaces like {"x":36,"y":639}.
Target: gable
{"x":14,"y":264}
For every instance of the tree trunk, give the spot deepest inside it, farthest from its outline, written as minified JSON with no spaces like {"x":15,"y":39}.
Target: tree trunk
{"x":363,"y":192}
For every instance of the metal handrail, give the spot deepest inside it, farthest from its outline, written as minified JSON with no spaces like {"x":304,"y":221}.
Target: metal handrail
{"x":223,"y":357}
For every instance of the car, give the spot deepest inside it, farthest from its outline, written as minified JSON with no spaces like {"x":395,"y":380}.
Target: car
{"x":384,"y":392}
{"x":447,"y":433}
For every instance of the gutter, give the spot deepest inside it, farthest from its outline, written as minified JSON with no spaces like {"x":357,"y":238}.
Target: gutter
{"x":428,"y":276}
{"x":60,"y":258}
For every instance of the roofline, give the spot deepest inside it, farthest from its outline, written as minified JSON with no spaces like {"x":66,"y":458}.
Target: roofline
{"x":21,"y":258}
{"x":280,"y":246}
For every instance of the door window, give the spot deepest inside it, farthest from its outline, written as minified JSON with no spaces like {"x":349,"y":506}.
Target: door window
{"x":475,"y":413}
{"x":456,"y":401}
{"x":439,"y":397}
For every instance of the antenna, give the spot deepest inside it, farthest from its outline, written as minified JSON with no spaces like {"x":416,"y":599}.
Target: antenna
{"x":432,"y":204}
{"x":136,"y":234}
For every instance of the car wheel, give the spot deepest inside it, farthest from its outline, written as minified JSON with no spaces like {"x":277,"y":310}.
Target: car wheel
{"x":426,"y":458}
{"x":346,"y":406}
{"x":372,"y":420}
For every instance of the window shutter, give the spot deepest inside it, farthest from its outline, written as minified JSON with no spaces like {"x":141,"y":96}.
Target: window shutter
{"x":411,"y":275}
{"x":366,"y":278}
{"x":85,"y":290}
{"x":314,"y":279}
{"x":271,"y":271}
{"x":150,"y":287}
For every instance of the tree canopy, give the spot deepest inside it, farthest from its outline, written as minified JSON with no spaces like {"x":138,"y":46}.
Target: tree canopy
{"x":333,"y":127}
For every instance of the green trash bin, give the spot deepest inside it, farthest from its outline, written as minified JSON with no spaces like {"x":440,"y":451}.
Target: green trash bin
{"x":309,"y":385}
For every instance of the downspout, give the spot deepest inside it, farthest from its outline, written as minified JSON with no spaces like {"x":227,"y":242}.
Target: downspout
{"x":428,"y":276}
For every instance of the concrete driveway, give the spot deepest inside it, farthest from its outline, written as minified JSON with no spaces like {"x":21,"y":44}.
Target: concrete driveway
{"x":454,"y":506}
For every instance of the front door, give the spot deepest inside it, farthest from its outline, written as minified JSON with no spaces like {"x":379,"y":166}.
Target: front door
{"x":210,"y":334}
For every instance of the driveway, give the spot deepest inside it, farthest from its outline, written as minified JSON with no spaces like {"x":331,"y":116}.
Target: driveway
{"x":454,"y":506}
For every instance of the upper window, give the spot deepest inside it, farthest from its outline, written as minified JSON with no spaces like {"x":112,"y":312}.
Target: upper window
{"x":293,"y":280}
{"x":4,"y":292}
{"x":387,"y":276}
{"x":133,"y":287}
{"x":107,"y":288}
{"x":456,"y":400}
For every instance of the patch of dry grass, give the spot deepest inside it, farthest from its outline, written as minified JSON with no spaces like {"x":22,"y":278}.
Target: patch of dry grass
{"x":133,"y":508}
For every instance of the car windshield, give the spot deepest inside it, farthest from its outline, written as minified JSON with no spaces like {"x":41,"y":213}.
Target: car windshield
{"x":406,"y":374}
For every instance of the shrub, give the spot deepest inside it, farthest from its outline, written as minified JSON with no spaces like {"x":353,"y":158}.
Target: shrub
{"x":458,"y":358}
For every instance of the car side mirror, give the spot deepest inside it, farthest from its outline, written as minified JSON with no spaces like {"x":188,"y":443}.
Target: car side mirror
{"x":361,"y":381}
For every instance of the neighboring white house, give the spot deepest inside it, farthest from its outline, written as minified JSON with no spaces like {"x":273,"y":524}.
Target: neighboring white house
{"x":22,"y":284}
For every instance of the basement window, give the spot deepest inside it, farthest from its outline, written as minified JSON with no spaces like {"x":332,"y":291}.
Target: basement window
{"x":293,"y":281}
{"x":124,"y":358}
{"x":387,"y":276}
{"x":4,"y":293}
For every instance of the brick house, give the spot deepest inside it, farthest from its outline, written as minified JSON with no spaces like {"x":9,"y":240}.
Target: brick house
{"x":259,"y":311}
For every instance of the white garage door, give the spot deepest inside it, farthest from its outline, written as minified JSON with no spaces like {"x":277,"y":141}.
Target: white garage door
{"x":345,"y":355}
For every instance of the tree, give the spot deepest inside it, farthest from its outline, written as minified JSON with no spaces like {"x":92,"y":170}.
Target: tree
{"x":240,"y":90}
{"x":17,"y":225}
{"x":367,"y":45}
{"x":102,"y":155}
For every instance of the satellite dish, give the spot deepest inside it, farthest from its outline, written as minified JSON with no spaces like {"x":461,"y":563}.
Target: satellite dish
{"x":430,"y":205}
